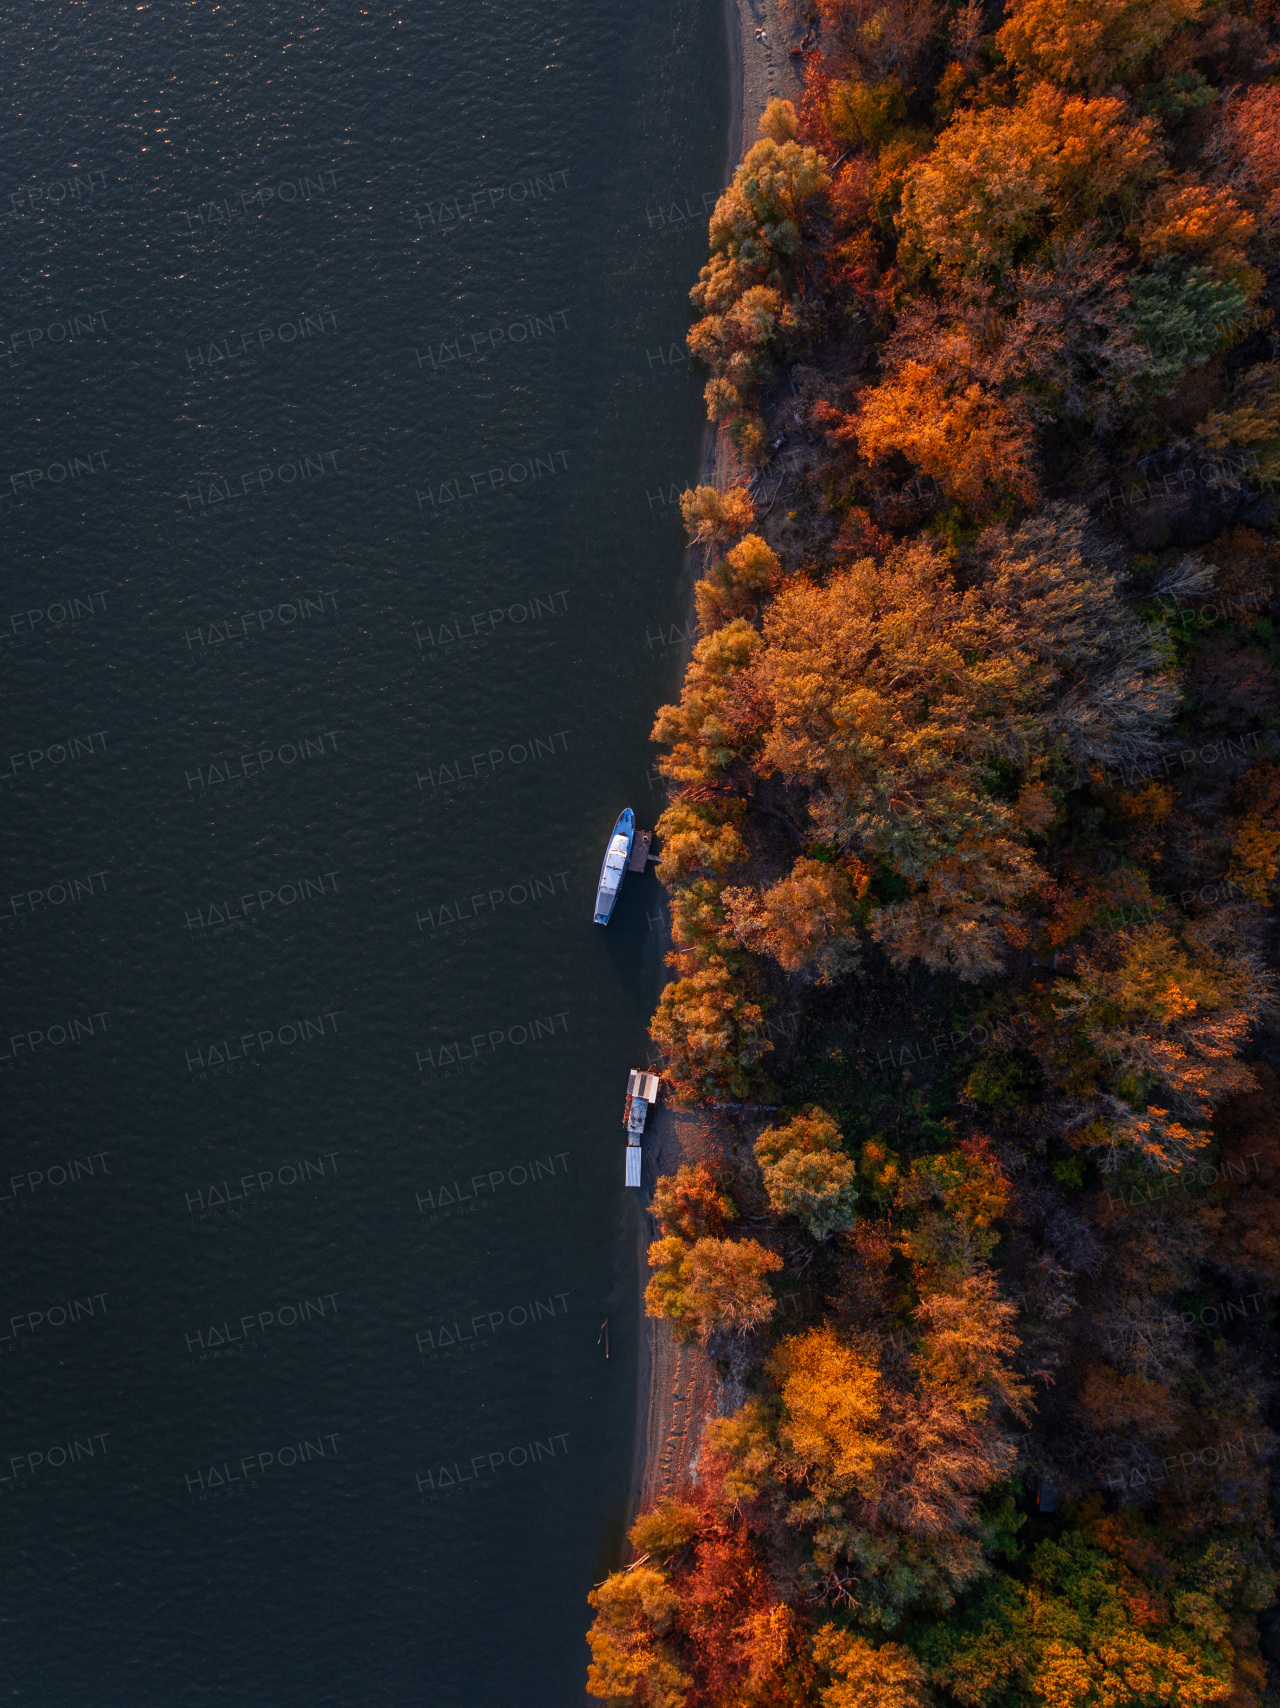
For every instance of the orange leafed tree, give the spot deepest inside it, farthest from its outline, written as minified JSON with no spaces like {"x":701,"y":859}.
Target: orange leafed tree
{"x":974,"y":443}
{"x":630,"y":1659}
{"x":1167,"y":1018}
{"x":692,"y":1203}
{"x":863,"y":1676}
{"x":887,"y":693}
{"x":805,"y":921}
{"x":1000,"y":177}
{"x":831,"y":1397}
{"x":1203,"y":222}
{"x":712,"y":1286}
{"x":709,"y":1031}
{"x":969,"y":1346}
{"x":732,"y":587}
{"x":698,"y":836}
{"x":864,"y":683}
{"x":1255,"y":853}
{"x":706,"y":729}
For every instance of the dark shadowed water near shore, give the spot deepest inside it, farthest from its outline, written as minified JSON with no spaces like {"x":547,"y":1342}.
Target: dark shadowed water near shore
{"x":344,"y":418}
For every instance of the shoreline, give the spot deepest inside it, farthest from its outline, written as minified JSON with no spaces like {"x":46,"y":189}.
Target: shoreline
{"x":757,"y":72}
{"x":816,"y":500}
{"x":735,"y":36}
{"x":677,"y":1387}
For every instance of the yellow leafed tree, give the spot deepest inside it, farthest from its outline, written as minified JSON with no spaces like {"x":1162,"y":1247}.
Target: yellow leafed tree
{"x":630,"y":1662}
{"x":1090,"y":43}
{"x":864,"y":1676}
{"x":831,"y":1408}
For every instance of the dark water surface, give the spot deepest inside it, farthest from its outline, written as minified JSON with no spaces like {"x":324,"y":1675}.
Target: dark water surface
{"x":282,"y":652}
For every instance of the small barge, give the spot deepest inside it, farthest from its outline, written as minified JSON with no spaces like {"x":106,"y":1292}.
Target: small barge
{"x":642,"y":1094}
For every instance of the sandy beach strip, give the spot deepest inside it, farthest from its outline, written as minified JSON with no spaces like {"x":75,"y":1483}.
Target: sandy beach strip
{"x":759,"y":69}
{"x":677,"y":1389}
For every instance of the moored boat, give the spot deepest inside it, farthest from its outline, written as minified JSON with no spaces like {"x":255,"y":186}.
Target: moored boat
{"x":615,"y":864}
{"x":642,"y":1094}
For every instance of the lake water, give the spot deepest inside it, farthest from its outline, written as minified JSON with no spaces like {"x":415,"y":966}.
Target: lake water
{"x":343,"y":423}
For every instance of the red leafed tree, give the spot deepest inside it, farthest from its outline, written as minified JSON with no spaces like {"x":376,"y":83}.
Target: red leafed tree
{"x":1247,"y":146}
{"x":746,"y":1647}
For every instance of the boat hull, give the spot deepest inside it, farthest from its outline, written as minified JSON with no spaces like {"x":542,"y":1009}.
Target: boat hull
{"x":611,"y":872}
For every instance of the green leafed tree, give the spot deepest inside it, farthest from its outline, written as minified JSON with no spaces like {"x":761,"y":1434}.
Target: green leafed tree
{"x":1182,"y":315}
{"x":1074,"y":1633}
{"x":807,"y":1174}
{"x":756,"y":224}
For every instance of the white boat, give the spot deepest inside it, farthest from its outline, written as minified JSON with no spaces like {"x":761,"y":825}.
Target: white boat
{"x":615,"y":864}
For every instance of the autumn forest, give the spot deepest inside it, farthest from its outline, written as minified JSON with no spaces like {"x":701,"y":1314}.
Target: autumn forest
{"x":971,"y":849}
